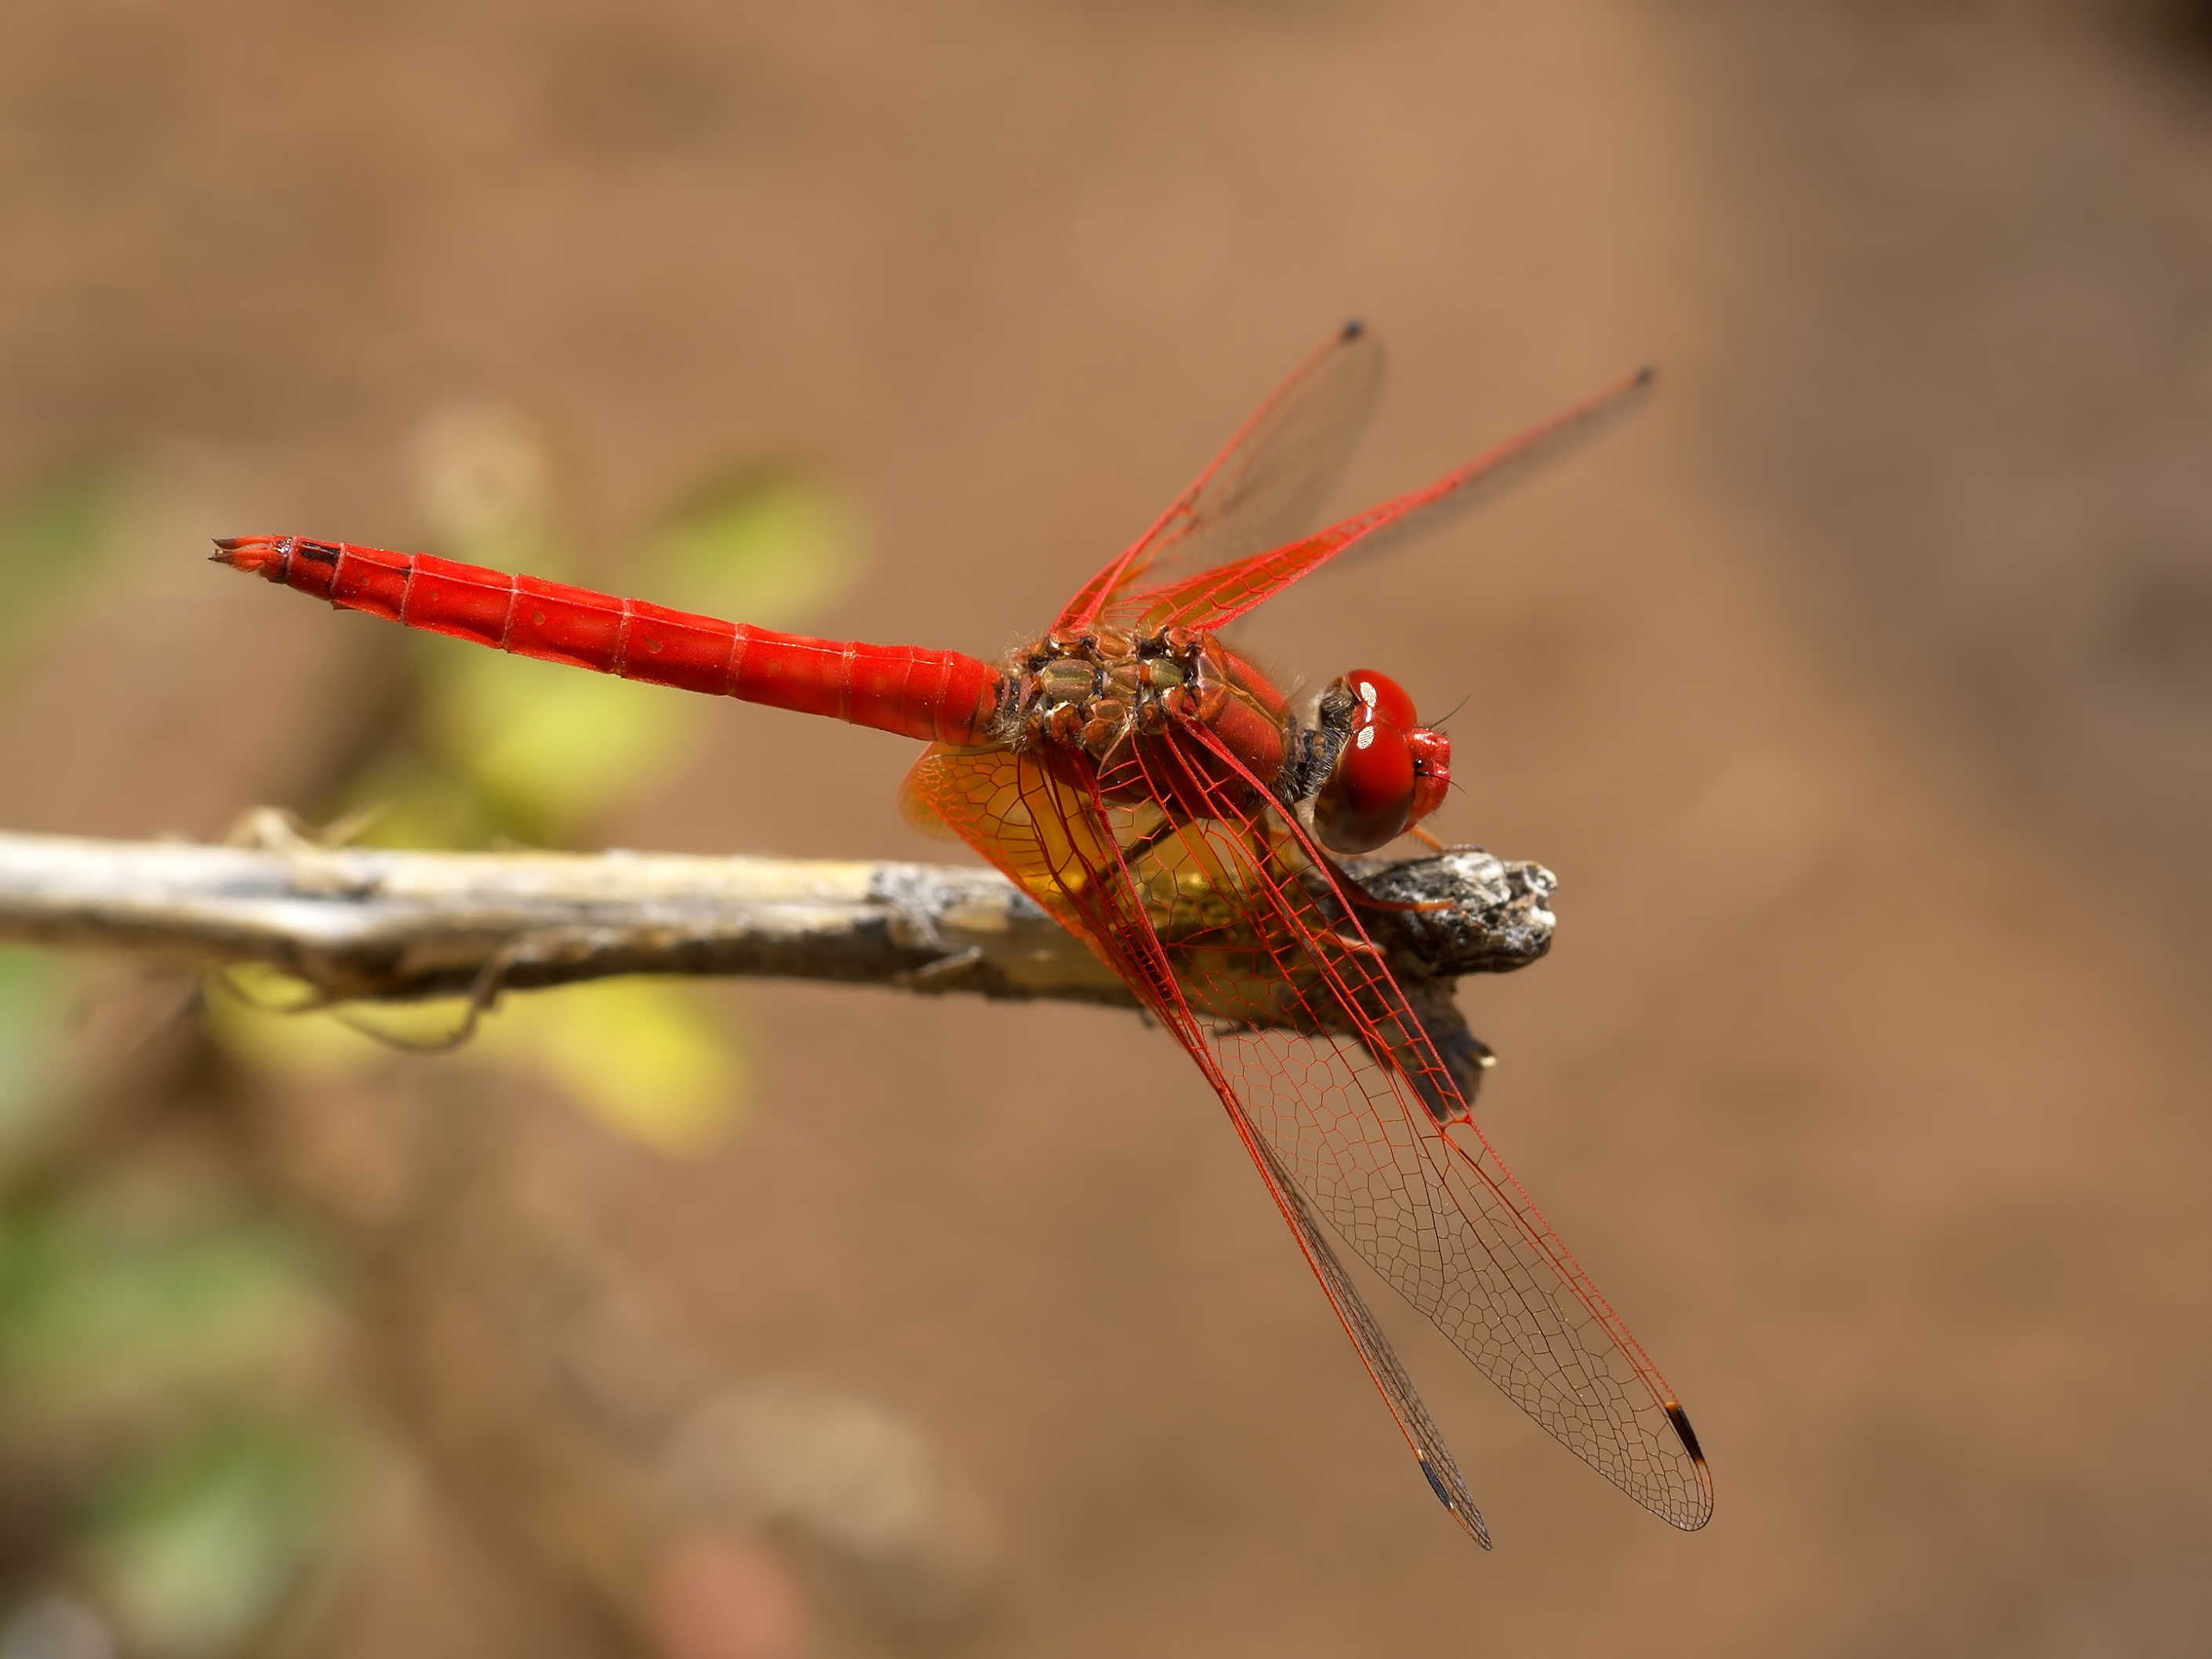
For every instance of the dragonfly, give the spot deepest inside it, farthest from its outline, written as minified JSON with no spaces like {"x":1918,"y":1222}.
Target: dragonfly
{"x":1156,"y":794}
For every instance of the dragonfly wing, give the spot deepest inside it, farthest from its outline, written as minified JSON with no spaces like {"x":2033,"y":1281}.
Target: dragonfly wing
{"x":934,"y":796}
{"x":1035,"y":826}
{"x":1210,"y":598}
{"x":1375,"y":1353}
{"x":1266,"y":483}
{"x":1054,"y":834}
{"x":1288,"y":1009}
{"x":1342,"y":1083}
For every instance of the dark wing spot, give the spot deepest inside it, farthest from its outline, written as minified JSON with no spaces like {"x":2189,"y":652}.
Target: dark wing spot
{"x":1680,"y":1419}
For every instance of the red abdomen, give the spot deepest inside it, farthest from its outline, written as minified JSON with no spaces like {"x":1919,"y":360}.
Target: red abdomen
{"x":939,"y":696}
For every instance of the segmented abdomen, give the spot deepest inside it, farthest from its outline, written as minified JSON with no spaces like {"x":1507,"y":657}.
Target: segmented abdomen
{"x":939,"y":696}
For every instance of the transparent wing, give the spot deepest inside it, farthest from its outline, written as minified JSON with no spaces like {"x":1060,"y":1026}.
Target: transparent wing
{"x":1353,"y":1100}
{"x":1266,"y":483}
{"x":1055,"y":837}
{"x":1211,"y":597}
{"x":1286,"y":1007}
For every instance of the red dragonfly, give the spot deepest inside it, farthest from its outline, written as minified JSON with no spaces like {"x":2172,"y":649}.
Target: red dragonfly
{"x":1163,"y":802}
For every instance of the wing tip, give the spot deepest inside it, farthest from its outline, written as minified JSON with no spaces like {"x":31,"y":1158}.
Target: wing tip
{"x":1696,"y":1518}
{"x":1461,"y":1507}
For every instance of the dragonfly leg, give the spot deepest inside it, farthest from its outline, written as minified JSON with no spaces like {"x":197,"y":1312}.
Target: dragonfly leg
{"x":1361,"y":898}
{"x":947,"y":973}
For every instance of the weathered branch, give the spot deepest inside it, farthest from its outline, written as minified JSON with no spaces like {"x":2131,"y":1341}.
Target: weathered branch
{"x":363,"y":924}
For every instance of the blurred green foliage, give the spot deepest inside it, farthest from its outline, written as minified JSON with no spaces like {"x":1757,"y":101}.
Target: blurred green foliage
{"x":163,"y":1343}
{"x":198,"y":1544}
{"x":102,"y":1312}
{"x":51,"y":537}
{"x":35,"y":991}
{"x":169,"y":1342}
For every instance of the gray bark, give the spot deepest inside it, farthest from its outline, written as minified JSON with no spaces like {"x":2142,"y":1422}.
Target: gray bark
{"x":362,"y":924}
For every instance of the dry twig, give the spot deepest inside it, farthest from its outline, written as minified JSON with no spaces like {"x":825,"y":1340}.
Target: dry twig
{"x":360,"y":924}
{"x":363,"y":924}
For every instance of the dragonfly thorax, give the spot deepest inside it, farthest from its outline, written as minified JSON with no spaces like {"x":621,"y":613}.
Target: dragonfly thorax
{"x":1096,"y":690}
{"x":1091,"y":689}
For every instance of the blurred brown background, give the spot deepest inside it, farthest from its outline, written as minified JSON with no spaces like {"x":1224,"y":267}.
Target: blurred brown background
{"x":1860,"y":692}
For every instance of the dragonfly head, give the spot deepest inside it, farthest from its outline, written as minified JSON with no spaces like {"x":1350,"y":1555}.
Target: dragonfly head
{"x":1391,"y":771}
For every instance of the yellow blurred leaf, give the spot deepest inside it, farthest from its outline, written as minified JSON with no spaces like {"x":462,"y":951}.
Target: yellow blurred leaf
{"x":267,"y":1019}
{"x":554,"y":743}
{"x":639,"y":1055}
{"x":767,"y":548}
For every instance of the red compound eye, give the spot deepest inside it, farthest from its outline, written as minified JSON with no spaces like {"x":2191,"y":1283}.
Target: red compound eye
{"x":1384,"y":694}
{"x":1369,"y":797}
